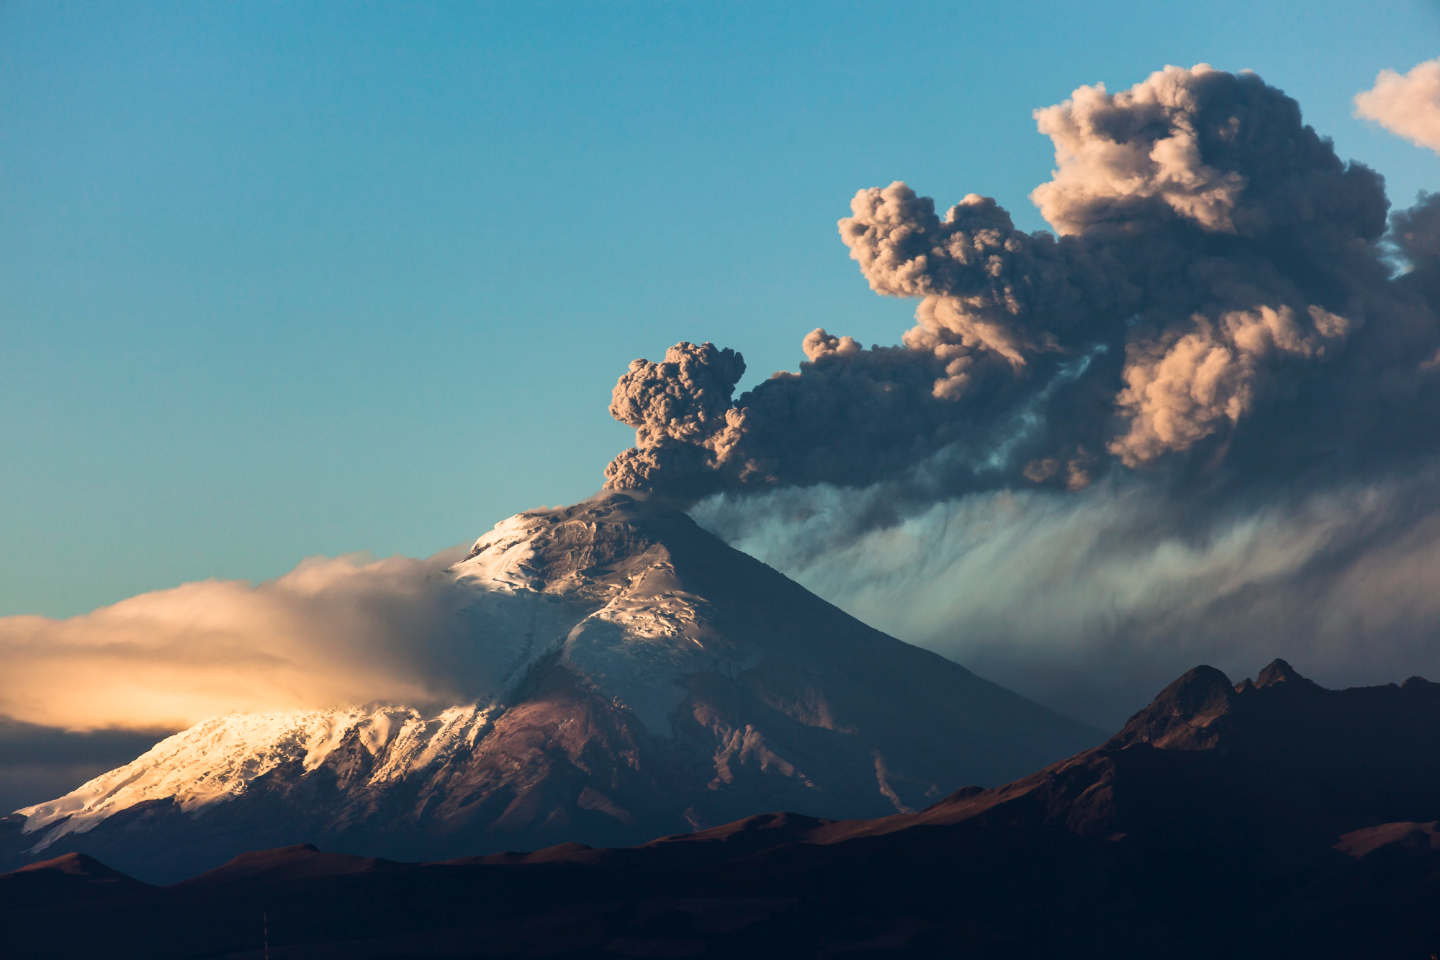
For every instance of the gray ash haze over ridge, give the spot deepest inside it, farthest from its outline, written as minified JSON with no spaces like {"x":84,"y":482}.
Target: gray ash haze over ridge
{"x":1198,"y":422}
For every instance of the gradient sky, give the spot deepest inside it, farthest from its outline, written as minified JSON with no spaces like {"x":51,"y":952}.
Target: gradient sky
{"x":283,"y":280}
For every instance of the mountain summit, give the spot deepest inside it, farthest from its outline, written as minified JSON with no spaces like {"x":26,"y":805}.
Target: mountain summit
{"x":634,"y":677}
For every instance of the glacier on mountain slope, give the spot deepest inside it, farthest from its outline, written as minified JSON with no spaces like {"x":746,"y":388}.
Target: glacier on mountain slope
{"x":216,"y":759}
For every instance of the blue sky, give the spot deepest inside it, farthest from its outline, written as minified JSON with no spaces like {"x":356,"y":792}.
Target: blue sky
{"x":281,"y":280}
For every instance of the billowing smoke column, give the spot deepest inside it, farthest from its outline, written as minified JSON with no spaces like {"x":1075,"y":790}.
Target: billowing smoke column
{"x":1218,"y":303}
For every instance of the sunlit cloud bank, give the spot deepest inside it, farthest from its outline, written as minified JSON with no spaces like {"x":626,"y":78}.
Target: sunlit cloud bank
{"x":1407,"y":105}
{"x":1092,"y":602}
{"x":330,"y":632}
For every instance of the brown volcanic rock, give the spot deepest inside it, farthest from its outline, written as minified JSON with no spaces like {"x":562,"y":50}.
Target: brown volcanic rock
{"x":1213,"y":763}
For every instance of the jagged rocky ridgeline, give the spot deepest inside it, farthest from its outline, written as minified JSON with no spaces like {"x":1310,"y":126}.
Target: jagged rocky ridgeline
{"x":1273,"y":820}
{"x":634,"y":677}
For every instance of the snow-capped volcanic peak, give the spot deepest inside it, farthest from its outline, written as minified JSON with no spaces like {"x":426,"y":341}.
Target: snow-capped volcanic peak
{"x":586,"y":552}
{"x":502,"y":558}
{"x":600,"y":585}
{"x":596,"y":591}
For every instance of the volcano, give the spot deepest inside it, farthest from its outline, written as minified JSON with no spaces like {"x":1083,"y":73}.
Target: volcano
{"x":632,"y":677}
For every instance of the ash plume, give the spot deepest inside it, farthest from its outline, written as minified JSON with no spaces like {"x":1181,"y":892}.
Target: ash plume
{"x":680,"y":409}
{"x":1215,"y":310}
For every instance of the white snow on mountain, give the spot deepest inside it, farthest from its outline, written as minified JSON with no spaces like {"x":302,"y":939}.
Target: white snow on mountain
{"x":214,"y":761}
{"x":632,"y":632}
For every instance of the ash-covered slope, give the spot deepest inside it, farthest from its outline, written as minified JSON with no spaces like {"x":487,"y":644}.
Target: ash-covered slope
{"x":633,"y":676}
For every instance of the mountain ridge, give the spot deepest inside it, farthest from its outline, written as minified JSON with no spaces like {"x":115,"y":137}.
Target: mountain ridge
{"x":1148,"y":845}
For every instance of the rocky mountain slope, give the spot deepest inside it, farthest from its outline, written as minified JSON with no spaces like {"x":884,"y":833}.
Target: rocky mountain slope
{"x":1273,"y":819}
{"x":632,"y":676}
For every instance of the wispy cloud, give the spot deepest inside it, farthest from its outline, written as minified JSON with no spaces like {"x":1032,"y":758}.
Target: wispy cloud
{"x":332,"y":631}
{"x":1092,"y":602}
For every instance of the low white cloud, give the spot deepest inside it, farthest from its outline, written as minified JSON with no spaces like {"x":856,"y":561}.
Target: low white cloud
{"x":330,"y":632}
{"x":1408,"y":104}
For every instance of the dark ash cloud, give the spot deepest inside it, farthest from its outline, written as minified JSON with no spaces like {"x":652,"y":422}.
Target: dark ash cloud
{"x":1200,"y":422}
{"x":681,"y":411}
{"x":1216,"y":310}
